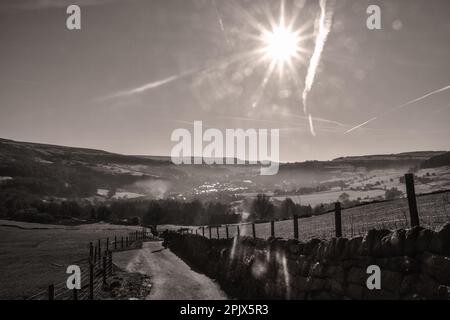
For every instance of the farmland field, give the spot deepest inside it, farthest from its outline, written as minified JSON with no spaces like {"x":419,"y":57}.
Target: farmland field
{"x":434,"y":211}
{"x":35,"y":255}
{"x":330,"y":196}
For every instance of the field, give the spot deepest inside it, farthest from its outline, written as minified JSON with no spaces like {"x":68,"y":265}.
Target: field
{"x":373,"y":184}
{"x":32,"y":256}
{"x":318,"y":198}
{"x":434,"y":211}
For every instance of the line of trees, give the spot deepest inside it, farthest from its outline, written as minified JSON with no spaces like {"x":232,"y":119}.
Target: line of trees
{"x":21,"y":206}
{"x":262,"y":209}
{"x":189,"y":213}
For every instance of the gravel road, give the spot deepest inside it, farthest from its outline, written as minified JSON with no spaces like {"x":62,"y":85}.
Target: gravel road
{"x":171,"y":277}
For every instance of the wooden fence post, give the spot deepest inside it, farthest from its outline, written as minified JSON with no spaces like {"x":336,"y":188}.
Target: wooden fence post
{"x":337,"y":219}
{"x":91,"y":281}
{"x":104,"y":269}
{"x":203,"y":231}
{"x":91,"y":251}
{"x":272,"y":229}
{"x":295,"y":227}
{"x":253,"y":230}
{"x":226,"y":232}
{"x":238,"y":231}
{"x":126,"y":242}
{"x":51,"y":292}
{"x":209,"y":232}
{"x":217,"y":230}
{"x":411,"y":193}
{"x":110,"y":263}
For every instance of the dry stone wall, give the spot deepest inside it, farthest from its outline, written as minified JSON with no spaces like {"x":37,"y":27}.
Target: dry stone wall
{"x":414,"y":264}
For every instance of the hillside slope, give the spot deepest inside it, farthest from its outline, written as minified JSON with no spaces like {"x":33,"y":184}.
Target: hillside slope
{"x":437,"y":161}
{"x":59,"y":171}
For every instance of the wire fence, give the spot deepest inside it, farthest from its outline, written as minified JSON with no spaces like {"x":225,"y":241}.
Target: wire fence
{"x":95,"y":269}
{"x":432,"y":210}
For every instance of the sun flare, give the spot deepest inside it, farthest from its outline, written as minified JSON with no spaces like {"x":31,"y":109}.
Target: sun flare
{"x":281,"y":44}
{"x":279,"y":47}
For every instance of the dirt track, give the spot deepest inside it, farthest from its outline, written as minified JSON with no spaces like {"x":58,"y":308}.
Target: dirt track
{"x":172,"y":279}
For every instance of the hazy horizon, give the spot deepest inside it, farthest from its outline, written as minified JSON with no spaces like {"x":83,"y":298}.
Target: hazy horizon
{"x":168,"y":156}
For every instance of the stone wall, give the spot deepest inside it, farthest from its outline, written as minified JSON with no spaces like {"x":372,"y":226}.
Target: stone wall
{"x":414,"y":263}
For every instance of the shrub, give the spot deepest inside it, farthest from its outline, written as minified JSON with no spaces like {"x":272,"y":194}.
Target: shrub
{"x":392,"y":194}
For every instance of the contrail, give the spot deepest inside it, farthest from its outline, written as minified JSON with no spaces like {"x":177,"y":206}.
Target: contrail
{"x":325,"y":21}
{"x":222,"y":61}
{"x":148,"y":86}
{"x":321,"y":120}
{"x":399,"y":107}
{"x":311,"y":126}
{"x":361,"y":125}
{"x":220,"y":22}
{"x":420,"y":98}
{"x":335,"y":128}
{"x":290,"y":115}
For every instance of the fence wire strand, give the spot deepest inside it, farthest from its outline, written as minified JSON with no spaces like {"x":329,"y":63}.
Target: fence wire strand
{"x":434,"y":211}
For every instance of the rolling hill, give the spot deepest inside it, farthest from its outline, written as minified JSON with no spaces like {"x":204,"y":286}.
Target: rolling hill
{"x":66,"y":172}
{"x":437,"y":161}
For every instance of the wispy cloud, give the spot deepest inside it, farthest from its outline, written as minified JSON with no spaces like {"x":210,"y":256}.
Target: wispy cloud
{"x":318,"y":119}
{"x":324,"y":124}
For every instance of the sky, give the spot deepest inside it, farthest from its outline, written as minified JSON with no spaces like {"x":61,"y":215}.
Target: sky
{"x":137,"y":70}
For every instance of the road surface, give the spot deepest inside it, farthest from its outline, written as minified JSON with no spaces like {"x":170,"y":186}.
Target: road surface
{"x":171,"y":277}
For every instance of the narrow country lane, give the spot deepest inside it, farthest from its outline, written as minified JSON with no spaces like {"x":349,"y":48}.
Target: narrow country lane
{"x":171,"y":277}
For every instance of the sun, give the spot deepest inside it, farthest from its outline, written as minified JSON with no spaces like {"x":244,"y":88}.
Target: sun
{"x":281,"y":44}
{"x":279,"y":48}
